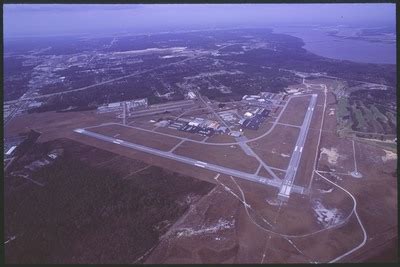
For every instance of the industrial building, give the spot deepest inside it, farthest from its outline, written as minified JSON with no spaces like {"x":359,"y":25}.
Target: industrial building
{"x":264,"y":99}
{"x":10,"y":151}
{"x":235,"y":133}
{"x":198,"y":125}
{"x":136,"y":104}
{"x":254,"y":120}
{"x":191,"y":95}
{"x":111,"y":107}
{"x":228,"y":115}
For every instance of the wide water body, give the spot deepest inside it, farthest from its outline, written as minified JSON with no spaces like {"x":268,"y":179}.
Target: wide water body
{"x":318,"y":42}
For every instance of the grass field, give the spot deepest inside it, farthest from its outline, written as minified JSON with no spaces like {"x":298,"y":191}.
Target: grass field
{"x":136,"y":136}
{"x":295,"y":111}
{"x":365,"y":120}
{"x":227,"y":156}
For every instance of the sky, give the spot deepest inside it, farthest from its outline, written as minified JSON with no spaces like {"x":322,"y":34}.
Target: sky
{"x":66,"y":19}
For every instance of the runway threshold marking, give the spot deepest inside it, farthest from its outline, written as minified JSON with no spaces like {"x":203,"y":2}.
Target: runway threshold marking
{"x":199,"y":165}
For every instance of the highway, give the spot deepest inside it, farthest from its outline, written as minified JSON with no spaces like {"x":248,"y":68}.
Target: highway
{"x":296,"y":155}
{"x":220,"y":169}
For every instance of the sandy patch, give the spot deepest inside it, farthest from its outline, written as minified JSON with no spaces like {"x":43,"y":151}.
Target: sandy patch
{"x":332,"y":155}
{"x":325,"y":191}
{"x":389,"y":155}
{"x":326,"y":217}
{"x":220,"y":225}
{"x":273,"y":202}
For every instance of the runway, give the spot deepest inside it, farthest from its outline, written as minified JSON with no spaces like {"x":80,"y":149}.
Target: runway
{"x":220,"y":169}
{"x":291,"y":171}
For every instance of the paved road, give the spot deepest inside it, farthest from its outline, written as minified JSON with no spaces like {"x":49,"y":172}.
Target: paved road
{"x":296,"y":155}
{"x":220,"y":169}
{"x":365,"y":237}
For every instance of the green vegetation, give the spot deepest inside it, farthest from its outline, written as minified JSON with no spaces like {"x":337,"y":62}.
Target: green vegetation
{"x":378,"y":115}
{"x":392,"y":117}
{"x":384,"y":145}
{"x":365,"y":118}
{"x":342,"y":111}
{"x":360,"y":123}
{"x":88,"y":214}
{"x":343,"y":115}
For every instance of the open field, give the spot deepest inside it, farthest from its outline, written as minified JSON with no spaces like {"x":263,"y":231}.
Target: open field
{"x":330,"y":121}
{"x":265,"y":126}
{"x":178,"y":133}
{"x":228,"y":234}
{"x":263,"y":172}
{"x":133,"y":135}
{"x":195,"y":112}
{"x":53,"y":125}
{"x":232,"y":157}
{"x":336,"y":154}
{"x":172,"y":165}
{"x":338,"y":241}
{"x":276,"y":148}
{"x":219,"y":138}
{"x":295,"y":110}
{"x":141,"y":123}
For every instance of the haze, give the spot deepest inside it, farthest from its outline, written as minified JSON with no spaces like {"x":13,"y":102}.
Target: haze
{"x":62,"y":19}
